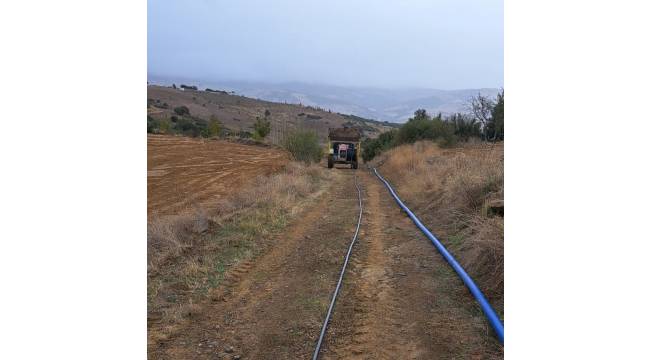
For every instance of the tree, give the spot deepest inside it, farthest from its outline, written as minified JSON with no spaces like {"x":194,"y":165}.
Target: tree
{"x":481,"y":107}
{"x":262,"y":127}
{"x":267,"y":113}
{"x":495,"y":129}
{"x":420,"y":114}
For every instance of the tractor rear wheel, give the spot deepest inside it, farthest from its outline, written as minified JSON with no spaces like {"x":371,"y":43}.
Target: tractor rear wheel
{"x":330,"y":162}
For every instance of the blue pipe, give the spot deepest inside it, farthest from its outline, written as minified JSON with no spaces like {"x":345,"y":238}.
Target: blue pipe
{"x":490,"y":314}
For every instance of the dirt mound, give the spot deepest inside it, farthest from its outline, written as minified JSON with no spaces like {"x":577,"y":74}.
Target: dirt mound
{"x":345,"y":134}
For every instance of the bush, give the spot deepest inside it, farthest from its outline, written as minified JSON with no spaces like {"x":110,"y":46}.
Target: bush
{"x":423,"y":127}
{"x":191,"y":127}
{"x":443,"y":133}
{"x":420,"y":127}
{"x":374,"y":147}
{"x":262,"y":128}
{"x":304,"y":146}
{"x":214,"y":127}
{"x":464,"y":126}
{"x":164,"y":126}
{"x":182,"y":110}
{"x":153,"y":125}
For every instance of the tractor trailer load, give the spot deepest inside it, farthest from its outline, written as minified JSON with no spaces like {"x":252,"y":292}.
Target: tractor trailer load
{"x":344,"y":146}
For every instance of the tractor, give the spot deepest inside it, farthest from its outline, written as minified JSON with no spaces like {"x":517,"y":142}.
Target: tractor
{"x":344,"y":146}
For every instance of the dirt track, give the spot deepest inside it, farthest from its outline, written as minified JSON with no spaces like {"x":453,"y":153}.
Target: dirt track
{"x":183,"y":172}
{"x":399,"y":298}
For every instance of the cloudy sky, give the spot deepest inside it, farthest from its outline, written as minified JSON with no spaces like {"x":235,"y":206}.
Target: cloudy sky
{"x":443,"y":44}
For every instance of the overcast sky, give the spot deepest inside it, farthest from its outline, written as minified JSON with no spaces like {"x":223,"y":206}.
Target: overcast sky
{"x":443,"y":44}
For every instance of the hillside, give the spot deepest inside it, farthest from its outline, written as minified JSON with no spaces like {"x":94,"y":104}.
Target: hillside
{"x":395,"y":105}
{"x":238,"y":113}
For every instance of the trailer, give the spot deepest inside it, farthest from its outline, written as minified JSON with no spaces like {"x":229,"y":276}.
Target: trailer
{"x":344,"y":146}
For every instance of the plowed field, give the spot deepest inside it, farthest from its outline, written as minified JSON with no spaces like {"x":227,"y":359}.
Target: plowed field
{"x":184,"y":172}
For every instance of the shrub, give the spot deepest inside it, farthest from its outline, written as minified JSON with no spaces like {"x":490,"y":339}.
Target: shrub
{"x":443,"y":133}
{"x":182,"y":110}
{"x":153,"y":125}
{"x":214,"y":127}
{"x":419,"y":127}
{"x":164,"y":126}
{"x":374,"y":147}
{"x":190,"y":127}
{"x":303,"y":146}
{"x":423,"y":127}
{"x":262,"y":128}
{"x":464,"y":126}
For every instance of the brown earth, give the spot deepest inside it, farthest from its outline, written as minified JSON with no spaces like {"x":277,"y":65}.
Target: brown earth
{"x":399,"y":299}
{"x":184,"y":172}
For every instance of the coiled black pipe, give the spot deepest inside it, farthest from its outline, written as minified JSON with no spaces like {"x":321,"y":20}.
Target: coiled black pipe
{"x":338,"y":285}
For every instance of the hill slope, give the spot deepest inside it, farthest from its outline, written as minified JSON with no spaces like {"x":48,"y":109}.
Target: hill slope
{"x":395,"y":105}
{"x":238,"y":113}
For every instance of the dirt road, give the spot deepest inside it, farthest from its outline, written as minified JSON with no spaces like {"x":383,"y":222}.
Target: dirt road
{"x":399,"y":300}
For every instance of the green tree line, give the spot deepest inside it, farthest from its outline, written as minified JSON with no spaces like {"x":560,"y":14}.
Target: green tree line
{"x":485,"y":122}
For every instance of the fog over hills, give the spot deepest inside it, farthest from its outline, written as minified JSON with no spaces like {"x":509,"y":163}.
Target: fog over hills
{"x":394,"y":105}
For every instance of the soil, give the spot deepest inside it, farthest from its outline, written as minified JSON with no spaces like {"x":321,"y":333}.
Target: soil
{"x":185,"y":172}
{"x":399,"y":299}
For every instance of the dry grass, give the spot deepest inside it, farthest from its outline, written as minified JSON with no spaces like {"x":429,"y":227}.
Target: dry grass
{"x":452,"y":191}
{"x":189,"y":254}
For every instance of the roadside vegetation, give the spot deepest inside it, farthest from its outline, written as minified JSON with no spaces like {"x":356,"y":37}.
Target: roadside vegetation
{"x":304,"y":146}
{"x":188,"y":255}
{"x":184,"y":123}
{"x":458,"y":193}
{"x":484,"y":122}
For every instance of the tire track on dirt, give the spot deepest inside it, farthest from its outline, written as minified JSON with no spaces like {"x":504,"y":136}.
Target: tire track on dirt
{"x":401,"y":299}
{"x":272,"y":307}
{"x":371,"y":321}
